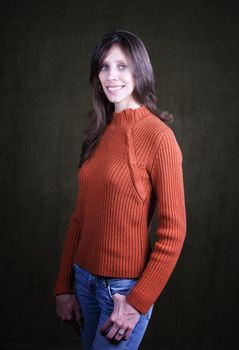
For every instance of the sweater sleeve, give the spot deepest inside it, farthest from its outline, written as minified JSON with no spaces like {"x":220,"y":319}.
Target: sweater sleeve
{"x":167,"y":181}
{"x":64,"y":283}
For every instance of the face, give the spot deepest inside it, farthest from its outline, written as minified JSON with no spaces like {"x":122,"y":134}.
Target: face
{"x":117,"y":80}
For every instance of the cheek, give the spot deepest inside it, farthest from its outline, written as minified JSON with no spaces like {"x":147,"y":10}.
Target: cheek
{"x":131,"y":82}
{"x":130,"y":79}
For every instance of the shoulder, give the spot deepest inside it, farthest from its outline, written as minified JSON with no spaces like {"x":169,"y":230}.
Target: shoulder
{"x":151,"y":129}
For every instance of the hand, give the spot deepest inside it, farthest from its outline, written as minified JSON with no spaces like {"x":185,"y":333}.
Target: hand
{"x":68,"y":310}
{"x":122,"y":320}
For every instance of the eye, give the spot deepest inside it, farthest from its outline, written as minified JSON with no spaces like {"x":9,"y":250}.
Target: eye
{"x":103,"y":67}
{"x":122,"y":66}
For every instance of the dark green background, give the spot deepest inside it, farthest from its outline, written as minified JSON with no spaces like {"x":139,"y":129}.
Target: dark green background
{"x":45,"y":96}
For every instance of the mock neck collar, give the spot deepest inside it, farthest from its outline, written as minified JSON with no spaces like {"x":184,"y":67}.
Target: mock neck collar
{"x":129,"y":115}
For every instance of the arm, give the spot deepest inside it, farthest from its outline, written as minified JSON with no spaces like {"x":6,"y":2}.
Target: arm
{"x":67,"y":306}
{"x":167,"y":182}
{"x":64,"y":283}
{"x":68,"y":310}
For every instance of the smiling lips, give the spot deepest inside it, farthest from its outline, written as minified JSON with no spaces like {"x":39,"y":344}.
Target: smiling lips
{"x":114,"y":88}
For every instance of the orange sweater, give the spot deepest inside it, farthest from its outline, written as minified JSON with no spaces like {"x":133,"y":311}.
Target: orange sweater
{"x":135,"y":168}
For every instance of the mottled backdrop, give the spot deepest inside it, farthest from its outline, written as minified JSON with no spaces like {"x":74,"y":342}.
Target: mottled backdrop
{"x":44,"y":64}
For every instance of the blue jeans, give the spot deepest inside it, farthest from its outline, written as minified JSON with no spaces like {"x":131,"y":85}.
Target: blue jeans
{"x":94,"y":294}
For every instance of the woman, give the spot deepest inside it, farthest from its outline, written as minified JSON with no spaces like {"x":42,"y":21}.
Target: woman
{"x":109,"y":277}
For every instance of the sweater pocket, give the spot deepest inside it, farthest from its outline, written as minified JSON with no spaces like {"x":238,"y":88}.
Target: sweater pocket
{"x":133,"y":167}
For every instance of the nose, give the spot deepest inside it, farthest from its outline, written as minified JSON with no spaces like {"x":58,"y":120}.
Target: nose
{"x":112,"y":74}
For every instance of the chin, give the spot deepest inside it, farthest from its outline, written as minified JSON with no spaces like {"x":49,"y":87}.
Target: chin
{"x":114,"y":100}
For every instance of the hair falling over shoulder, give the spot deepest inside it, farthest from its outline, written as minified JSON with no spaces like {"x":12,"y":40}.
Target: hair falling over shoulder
{"x":144,"y":92}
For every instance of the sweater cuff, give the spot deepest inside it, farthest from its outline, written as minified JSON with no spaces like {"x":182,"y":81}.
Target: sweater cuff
{"x":65,"y":280}
{"x":135,"y":299}
{"x":59,"y":289}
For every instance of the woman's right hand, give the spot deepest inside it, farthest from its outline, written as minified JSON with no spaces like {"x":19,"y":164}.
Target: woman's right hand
{"x":68,"y":310}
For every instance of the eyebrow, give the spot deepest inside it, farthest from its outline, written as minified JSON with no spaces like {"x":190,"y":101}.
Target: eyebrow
{"x":115,"y":61}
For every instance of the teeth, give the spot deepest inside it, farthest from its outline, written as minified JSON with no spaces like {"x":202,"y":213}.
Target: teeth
{"x":114,"y":88}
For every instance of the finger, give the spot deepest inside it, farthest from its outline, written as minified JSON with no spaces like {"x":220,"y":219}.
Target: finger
{"x":104,"y":329}
{"x":119,"y":334}
{"x":127,"y":334}
{"x":112,"y":332}
{"x":78,"y":317}
{"x":67,"y":316}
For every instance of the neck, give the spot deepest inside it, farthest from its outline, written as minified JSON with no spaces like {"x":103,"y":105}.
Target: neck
{"x":120,"y":107}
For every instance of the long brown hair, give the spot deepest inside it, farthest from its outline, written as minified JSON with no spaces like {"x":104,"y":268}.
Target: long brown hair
{"x":144,"y":92}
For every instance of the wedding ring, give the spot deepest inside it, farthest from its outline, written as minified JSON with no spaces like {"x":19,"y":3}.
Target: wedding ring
{"x":120,"y":333}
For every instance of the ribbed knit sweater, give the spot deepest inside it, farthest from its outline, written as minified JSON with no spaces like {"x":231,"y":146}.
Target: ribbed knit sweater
{"x":135,"y":168}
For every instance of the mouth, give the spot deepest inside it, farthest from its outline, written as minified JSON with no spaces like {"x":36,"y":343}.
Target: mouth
{"x":115,"y":88}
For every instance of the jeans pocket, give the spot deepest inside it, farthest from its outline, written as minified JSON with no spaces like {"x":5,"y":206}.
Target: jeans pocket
{"x":120,"y":285}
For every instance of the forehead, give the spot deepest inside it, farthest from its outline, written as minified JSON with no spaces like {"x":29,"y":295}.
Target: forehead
{"x":115,"y":53}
